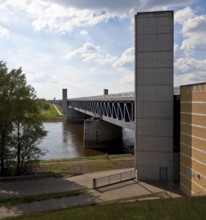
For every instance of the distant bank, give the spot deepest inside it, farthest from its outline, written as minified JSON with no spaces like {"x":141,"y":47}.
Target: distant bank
{"x":51,"y":112}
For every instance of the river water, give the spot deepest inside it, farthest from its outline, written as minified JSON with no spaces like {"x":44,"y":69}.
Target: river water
{"x":65,"y":140}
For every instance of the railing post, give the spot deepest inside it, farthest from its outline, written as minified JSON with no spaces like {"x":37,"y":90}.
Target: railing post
{"x":94,"y":183}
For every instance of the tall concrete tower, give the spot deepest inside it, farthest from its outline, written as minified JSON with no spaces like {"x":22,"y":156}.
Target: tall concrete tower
{"x":64,"y":100}
{"x":106,"y":91}
{"x":154,"y":95}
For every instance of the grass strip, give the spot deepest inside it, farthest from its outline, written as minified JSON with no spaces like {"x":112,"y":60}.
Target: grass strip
{"x":77,"y":168}
{"x":85,"y":164}
{"x":158,"y":195}
{"x":100,"y":157}
{"x":30,"y":199}
{"x":51,"y":112}
{"x":168,"y":209}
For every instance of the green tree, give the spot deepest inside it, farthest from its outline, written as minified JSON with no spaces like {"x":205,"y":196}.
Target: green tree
{"x":5,"y":114}
{"x":21,"y":127}
{"x":46,"y":106}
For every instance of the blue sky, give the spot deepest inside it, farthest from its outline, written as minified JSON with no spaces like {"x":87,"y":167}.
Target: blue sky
{"x":88,"y":46}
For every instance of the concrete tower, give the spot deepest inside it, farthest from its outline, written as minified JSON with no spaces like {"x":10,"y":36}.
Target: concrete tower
{"x":106,"y":91}
{"x":154,"y":95}
{"x":64,"y":100}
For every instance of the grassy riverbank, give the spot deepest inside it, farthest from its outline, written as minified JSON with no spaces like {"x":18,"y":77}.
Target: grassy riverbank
{"x":50,"y":113}
{"x":180,"y":209}
{"x":131,"y":208}
{"x":75,"y":166}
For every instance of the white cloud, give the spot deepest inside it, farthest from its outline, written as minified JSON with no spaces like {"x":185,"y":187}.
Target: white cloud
{"x":4,"y":32}
{"x":84,"y":32}
{"x":190,"y":62}
{"x":193,"y":30}
{"x":184,"y":65}
{"x":127,"y":79}
{"x":125,"y":65}
{"x":126,"y":60}
{"x":83,"y":51}
{"x":189,"y":70}
{"x":194,"y":42}
{"x":122,"y":5}
{"x":151,"y":4}
{"x":40,"y":77}
{"x":64,"y":15}
{"x":94,"y":4}
{"x":51,"y":16}
{"x":189,"y":78}
{"x":91,"y":53}
{"x":31,"y":7}
{"x":183,"y":15}
{"x":60,"y":19}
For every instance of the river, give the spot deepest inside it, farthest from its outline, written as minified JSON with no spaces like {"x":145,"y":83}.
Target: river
{"x":65,"y":140}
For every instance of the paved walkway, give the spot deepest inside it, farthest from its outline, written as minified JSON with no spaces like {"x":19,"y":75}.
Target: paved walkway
{"x":48,"y":185}
{"x":57,"y":110}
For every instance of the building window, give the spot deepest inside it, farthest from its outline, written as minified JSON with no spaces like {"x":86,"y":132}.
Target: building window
{"x":196,"y":88}
{"x":202,"y":88}
{"x":192,"y":88}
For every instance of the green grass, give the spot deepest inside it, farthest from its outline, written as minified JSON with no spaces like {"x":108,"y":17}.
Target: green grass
{"x":51,"y":113}
{"x":170,"y":209}
{"x":88,"y":158}
{"x":78,"y":168}
{"x":29,"y":199}
{"x":84,"y":164}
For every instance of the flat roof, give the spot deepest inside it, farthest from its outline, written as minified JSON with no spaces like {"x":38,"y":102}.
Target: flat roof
{"x":154,"y":12}
{"x":194,"y":84}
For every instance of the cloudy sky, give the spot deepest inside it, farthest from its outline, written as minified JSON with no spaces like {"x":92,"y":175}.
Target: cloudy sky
{"x":88,"y":45}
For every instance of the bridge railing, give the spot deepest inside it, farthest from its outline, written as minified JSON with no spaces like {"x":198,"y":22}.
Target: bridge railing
{"x":113,"y":179}
{"x":129,"y":95}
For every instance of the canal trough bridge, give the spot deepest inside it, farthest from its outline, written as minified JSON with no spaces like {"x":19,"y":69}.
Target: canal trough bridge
{"x":104,"y":117}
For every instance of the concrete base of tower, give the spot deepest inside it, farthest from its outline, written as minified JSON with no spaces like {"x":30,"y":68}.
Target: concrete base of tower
{"x":153,"y":166}
{"x":100,"y":134}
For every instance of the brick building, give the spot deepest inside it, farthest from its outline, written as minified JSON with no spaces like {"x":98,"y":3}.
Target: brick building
{"x":193,"y":139}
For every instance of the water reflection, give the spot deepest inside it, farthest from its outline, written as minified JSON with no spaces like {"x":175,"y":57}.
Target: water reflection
{"x":65,"y":140}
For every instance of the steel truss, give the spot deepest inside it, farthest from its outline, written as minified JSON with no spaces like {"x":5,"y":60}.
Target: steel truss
{"x":121,"y":110}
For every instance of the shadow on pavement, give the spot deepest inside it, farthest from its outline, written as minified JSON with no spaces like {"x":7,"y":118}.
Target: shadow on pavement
{"x":172,"y":187}
{"x":39,"y":187}
{"x":36,"y":187}
{"x":116,"y":186}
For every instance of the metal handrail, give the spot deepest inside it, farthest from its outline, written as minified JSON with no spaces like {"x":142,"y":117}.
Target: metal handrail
{"x":113,"y":179}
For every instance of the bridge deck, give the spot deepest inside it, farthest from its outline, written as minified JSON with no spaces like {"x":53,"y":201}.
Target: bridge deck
{"x":127,"y":96}
{"x":114,"y":108}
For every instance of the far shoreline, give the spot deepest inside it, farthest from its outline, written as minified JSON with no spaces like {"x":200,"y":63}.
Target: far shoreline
{"x":55,"y":120}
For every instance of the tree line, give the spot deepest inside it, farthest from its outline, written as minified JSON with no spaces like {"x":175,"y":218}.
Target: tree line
{"x":21,"y":128}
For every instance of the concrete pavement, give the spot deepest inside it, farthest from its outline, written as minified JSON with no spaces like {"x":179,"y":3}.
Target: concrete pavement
{"x":119,"y":191}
